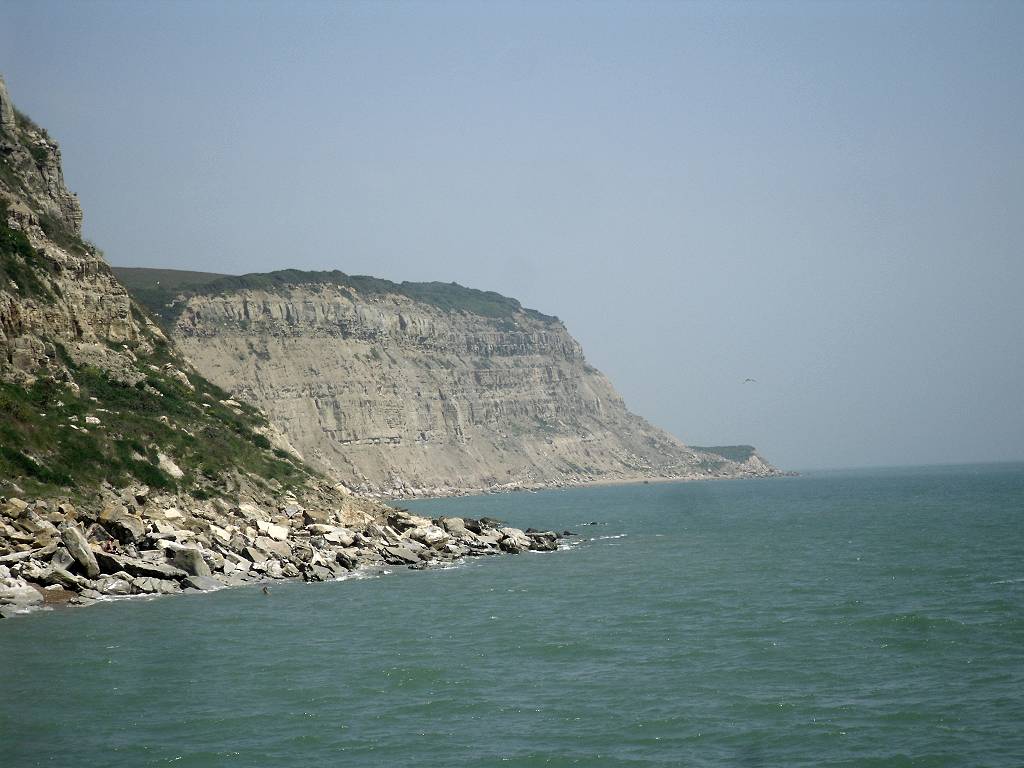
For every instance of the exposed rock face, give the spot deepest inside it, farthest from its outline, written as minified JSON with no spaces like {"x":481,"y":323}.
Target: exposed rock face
{"x":7,"y":119}
{"x":67,"y":293}
{"x":400,"y":396}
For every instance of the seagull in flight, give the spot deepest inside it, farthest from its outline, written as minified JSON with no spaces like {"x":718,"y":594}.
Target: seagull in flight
{"x":748,"y":379}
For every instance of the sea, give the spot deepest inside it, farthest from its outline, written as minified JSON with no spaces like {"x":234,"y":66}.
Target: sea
{"x":842,"y":618}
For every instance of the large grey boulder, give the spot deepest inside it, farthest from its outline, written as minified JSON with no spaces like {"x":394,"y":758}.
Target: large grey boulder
{"x":280,"y":548}
{"x":76,"y":544}
{"x":255,"y":554}
{"x":188,"y":559}
{"x":138,"y":567}
{"x":62,"y":559}
{"x":543,"y":541}
{"x":333,"y":534}
{"x":513,"y":540}
{"x":205,"y":583}
{"x":150,"y":585}
{"x":400,"y":555}
{"x":60,"y":577}
{"x":112,"y":585}
{"x":18,"y":596}
{"x":456,"y":526}
{"x":273,"y":531}
{"x":428,"y":535}
{"x":126,"y":527}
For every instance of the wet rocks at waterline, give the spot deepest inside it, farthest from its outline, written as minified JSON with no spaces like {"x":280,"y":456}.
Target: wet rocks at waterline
{"x":135,"y":544}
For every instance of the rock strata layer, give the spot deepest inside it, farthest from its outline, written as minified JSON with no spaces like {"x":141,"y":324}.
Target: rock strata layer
{"x":396,"y":391}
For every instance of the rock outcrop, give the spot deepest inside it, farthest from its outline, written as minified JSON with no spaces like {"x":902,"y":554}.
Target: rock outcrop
{"x":407,"y":389}
{"x":144,"y":477}
{"x":54,"y":287}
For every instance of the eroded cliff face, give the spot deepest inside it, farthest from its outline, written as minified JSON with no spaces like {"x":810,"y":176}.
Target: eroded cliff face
{"x":59,"y":289}
{"x":401,"y":397}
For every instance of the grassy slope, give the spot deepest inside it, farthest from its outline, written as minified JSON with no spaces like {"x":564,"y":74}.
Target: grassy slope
{"x":41,"y":449}
{"x":157,"y":289}
{"x":737,"y":453}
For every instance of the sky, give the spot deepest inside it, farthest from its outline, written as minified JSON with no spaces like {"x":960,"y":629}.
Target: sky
{"x":825,"y":197}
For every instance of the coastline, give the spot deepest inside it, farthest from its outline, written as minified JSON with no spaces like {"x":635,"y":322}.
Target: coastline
{"x":66,"y":557}
{"x":55,"y":555}
{"x":448,"y":493}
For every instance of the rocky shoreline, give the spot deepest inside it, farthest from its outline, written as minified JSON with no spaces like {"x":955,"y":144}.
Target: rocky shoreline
{"x":54,"y":554}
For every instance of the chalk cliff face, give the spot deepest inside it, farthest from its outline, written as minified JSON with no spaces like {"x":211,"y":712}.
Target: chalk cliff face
{"x":399,"y":394}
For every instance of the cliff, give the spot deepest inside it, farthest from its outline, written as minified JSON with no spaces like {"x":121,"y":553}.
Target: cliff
{"x":123,"y":470}
{"x":417,"y":388}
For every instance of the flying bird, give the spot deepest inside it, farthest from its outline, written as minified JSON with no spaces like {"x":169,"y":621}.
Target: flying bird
{"x":749,"y":379}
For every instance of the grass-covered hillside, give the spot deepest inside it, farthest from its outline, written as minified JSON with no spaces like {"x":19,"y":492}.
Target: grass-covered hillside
{"x":158,"y":289}
{"x":71,"y":436}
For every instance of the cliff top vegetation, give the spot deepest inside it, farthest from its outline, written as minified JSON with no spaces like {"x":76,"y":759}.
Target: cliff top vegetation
{"x":159,"y":289}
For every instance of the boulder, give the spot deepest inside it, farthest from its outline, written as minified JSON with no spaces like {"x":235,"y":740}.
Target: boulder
{"x":280,"y":548}
{"x":76,"y":544}
{"x":127,"y":529}
{"x":14,"y":508}
{"x":343,"y":537}
{"x":254,"y":554}
{"x":18,"y":595}
{"x":401,"y":520}
{"x":251,"y":512}
{"x":456,"y":526}
{"x":205,"y":583}
{"x":112,"y":585}
{"x":151,"y":584}
{"x":62,"y":559}
{"x":60,"y":577}
{"x":41,"y":554}
{"x":429,"y":535}
{"x":513,"y":540}
{"x":399,"y":555}
{"x":275,"y":532}
{"x":188,"y":559}
{"x":42,"y":530}
{"x":543,"y":541}
{"x":138,"y":567}
{"x":346,"y":560}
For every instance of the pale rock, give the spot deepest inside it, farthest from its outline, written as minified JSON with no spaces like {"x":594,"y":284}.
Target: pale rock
{"x":74,"y":540}
{"x":14,"y":508}
{"x":276,"y":532}
{"x":167,"y":464}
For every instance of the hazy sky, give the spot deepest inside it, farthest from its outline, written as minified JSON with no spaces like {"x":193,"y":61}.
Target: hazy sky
{"x":827,"y":197}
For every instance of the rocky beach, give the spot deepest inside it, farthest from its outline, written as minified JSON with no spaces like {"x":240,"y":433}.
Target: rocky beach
{"x":57,"y":554}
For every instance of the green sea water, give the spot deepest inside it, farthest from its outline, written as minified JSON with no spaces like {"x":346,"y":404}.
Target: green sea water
{"x":870,"y":618}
